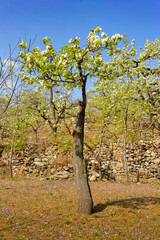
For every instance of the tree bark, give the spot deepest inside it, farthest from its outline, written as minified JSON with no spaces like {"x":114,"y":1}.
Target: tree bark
{"x":85,"y":202}
{"x":36,"y":137}
{"x":125,"y":145}
{"x":54,"y":128}
{"x":11,"y":159}
{"x":125,"y":158}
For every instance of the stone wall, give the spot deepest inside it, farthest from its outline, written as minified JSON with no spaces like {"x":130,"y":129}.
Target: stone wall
{"x":143,"y":162}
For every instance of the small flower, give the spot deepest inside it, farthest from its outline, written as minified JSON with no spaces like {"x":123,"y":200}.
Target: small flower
{"x":103,"y":34}
{"x":70,"y":40}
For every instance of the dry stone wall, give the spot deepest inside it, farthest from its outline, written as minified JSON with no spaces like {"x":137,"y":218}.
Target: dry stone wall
{"x":143,"y":160}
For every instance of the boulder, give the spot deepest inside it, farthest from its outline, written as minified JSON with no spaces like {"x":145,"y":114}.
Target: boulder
{"x":92,"y":178}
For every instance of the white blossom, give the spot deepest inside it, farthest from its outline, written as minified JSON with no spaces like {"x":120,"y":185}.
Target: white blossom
{"x":43,"y":52}
{"x":103,"y":34}
{"x":41,"y":82}
{"x":99,"y":58}
{"x":104,"y":40}
{"x":70,"y":40}
{"x":28,"y":58}
{"x":117,"y":36}
{"x":77,"y":38}
{"x":97,"y":29}
{"x":93,"y":40}
{"x":60,"y":61}
{"x":65,"y":63}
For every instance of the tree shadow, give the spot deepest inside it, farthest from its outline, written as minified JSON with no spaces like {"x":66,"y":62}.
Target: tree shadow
{"x":132,"y":203}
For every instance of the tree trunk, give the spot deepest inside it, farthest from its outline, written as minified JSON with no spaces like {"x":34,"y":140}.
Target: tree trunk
{"x":85,"y":202}
{"x":11,"y":160}
{"x":52,"y":105}
{"x":125,"y":158}
{"x":125,"y":144}
{"x":36,"y":137}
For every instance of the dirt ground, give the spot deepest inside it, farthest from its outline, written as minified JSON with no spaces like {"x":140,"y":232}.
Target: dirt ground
{"x":34,"y":209}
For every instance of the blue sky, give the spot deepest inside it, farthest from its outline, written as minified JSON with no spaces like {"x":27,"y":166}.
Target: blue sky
{"x":63,"y":19}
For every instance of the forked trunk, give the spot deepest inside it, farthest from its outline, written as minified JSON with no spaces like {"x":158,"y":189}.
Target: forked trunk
{"x":85,"y":202}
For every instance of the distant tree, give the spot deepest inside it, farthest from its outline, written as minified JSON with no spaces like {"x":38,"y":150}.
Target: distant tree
{"x":128,"y":89}
{"x":9,"y":70}
{"x":117,"y":109}
{"x":51,"y":109}
{"x":14,"y":125}
{"x":142,"y":68}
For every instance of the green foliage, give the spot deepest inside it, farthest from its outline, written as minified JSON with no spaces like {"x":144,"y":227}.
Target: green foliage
{"x":66,"y":68}
{"x":64,"y":142}
{"x":126,"y":86}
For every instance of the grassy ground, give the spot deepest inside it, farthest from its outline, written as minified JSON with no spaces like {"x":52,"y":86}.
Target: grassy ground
{"x":34,"y":209}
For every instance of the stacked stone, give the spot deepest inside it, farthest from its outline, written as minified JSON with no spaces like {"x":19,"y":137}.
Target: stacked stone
{"x":143,"y":160}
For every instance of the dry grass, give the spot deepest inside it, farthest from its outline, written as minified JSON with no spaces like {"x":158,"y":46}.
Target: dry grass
{"x":34,"y":209}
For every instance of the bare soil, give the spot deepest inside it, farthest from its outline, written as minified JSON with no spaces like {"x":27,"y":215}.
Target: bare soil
{"x":34,"y":209}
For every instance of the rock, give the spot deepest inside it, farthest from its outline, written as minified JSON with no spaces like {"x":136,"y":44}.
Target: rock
{"x":44,"y":159}
{"x":42,"y":179}
{"x":37,"y":160}
{"x":30,"y":170}
{"x":119,"y":165}
{"x":70,"y":165}
{"x":119,"y":157}
{"x":45,"y":173}
{"x":53,"y":170}
{"x":94,"y":173}
{"x":35,"y":171}
{"x":153,"y":154}
{"x":48,"y":153}
{"x":148,"y":151}
{"x":66,"y":168}
{"x":62,"y":173}
{"x":40,"y":164}
{"x":158,"y":176}
{"x":141,"y":172}
{"x":64,"y":176}
{"x":25,"y":169}
{"x":93,"y":178}
{"x":153,"y":180}
{"x":58,"y":176}
{"x":153,"y":170}
{"x":59,"y":169}
{"x":157,"y":161}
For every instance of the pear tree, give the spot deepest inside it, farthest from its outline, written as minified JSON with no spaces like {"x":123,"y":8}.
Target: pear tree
{"x":13,"y":122}
{"x":10,"y":66}
{"x":128,"y":88}
{"x":71,"y":67}
{"x":141,"y":67}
